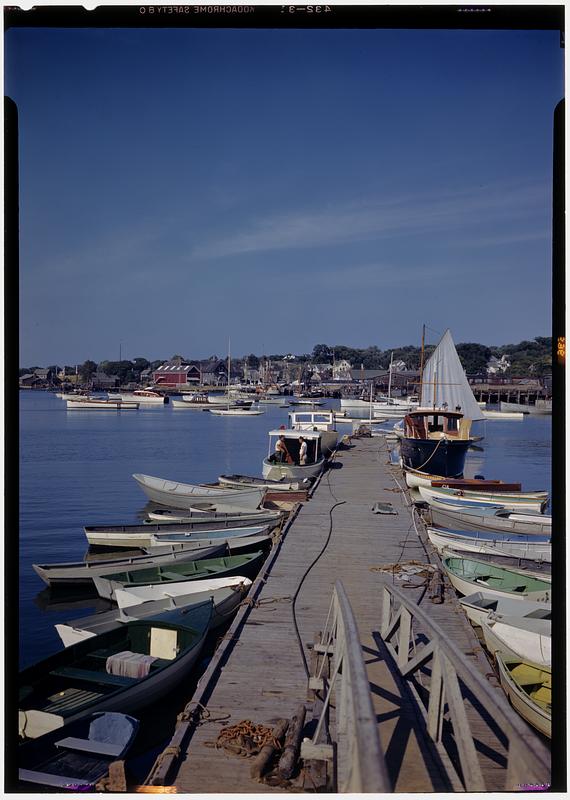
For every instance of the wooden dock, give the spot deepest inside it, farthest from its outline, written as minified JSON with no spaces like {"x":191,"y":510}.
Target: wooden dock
{"x":259,"y":673}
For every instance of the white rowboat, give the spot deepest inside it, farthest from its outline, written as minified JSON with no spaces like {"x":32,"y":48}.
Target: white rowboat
{"x":185,"y":495}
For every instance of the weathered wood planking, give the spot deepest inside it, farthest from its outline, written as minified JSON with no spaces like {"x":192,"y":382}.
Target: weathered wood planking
{"x":264,"y":677}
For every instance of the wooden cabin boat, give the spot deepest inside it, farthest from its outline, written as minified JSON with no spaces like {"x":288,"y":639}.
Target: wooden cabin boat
{"x":519,"y":637}
{"x":529,"y":689}
{"x":78,"y":756}
{"x":124,"y":669}
{"x":512,"y":501}
{"x":446,"y":514}
{"x":437,"y":440}
{"x":222,"y":567}
{"x":140,"y":535}
{"x":322,"y":420}
{"x":275,"y":470}
{"x":479,"y":605}
{"x":100,"y":404}
{"x":185,"y":495}
{"x":148,"y":601}
{"x":144,"y":397}
{"x":512,"y":545}
{"x":77,"y":573}
{"x":245,"y":481}
{"x":468,"y":575}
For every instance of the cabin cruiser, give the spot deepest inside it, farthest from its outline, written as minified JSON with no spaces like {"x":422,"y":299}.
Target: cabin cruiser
{"x":144,"y":396}
{"x":275,"y":469}
{"x":321,"y":420}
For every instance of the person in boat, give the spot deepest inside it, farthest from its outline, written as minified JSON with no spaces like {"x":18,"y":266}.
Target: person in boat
{"x":302,"y":451}
{"x":281,"y":453}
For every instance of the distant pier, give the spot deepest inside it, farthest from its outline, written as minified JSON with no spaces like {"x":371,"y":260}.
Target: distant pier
{"x":398,"y":696}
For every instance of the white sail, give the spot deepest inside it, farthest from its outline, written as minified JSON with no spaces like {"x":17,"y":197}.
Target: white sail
{"x":444,"y":381}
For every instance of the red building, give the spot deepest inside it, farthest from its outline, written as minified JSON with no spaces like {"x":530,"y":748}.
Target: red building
{"x":176,"y":375}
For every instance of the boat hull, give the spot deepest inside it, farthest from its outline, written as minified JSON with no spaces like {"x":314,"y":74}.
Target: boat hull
{"x":443,"y":456}
{"x":530,"y":639}
{"x":291,"y":472}
{"x":479,"y":605}
{"x":195,"y":534}
{"x":541,"y":408}
{"x":487,"y":543}
{"x":518,"y":501}
{"x":475,"y":576}
{"x":182,"y":495}
{"x":473,"y":520}
{"x":540,"y":718}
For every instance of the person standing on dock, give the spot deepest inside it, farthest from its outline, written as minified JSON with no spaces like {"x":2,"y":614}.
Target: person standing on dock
{"x":302,"y":451}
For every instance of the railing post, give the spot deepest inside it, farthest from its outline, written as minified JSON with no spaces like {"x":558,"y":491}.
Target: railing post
{"x":404,"y":636}
{"x":436,"y":698}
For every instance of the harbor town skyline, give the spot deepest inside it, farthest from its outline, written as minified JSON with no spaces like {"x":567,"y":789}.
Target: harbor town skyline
{"x":180,"y":187}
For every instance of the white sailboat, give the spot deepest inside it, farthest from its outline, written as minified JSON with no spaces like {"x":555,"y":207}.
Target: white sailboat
{"x":236,"y":411}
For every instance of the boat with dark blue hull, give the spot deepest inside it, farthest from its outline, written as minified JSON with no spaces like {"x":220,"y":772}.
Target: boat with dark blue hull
{"x":436,"y":441}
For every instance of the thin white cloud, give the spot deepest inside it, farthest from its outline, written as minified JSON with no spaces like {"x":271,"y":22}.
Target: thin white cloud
{"x":447,"y":211}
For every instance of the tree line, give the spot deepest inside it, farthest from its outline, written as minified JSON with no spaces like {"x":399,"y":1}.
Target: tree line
{"x":527,"y":359}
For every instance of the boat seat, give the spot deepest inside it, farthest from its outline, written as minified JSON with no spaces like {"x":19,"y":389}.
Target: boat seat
{"x":173,"y":576}
{"x":90,"y":746}
{"x":93,"y":676}
{"x":47,"y":779}
{"x":521,"y":588}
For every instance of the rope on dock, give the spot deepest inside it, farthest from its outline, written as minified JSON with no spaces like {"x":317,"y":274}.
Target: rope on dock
{"x":244,"y":739}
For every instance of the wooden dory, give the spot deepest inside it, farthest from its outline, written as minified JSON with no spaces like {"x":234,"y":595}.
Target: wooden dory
{"x":468,"y":575}
{"x":78,"y":756}
{"x":72,"y":573}
{"x":513,"y":501}
{"x":449,"y":515}
{"x":224,"y":567}
{"x":479,"y":605}
{"x":177,"y":516}
{"x":529,"y":688}
{"x":148,"y":601}
{"x":142,"y":535}
{"x":124,"y":669}
{"x":185,"y":495}
{"x":518,"y":636}
{"x":512,"y":545}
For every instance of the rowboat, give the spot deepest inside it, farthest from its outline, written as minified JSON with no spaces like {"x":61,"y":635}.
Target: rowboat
{"x":222,"y":567}
{"x":528,"y":687}
{"x":519,"y":637}
{"x":124,"y":669}
{"x":100,"y":404}
{"x":184,"y":495}
{"x":511,"y":545}
{"x":494,"y":518}
{"x":236,"y":412}
{"x":468,"y":575}
{"x":416,"y":478}
{"x":321,"y":420}
{"x":528,"y":566}
{"x":147,"y":601}
{"x":79,"y":756}
{"x":73,"y":573}
{"x":293,"y":471}
{"x":513,"y":501}
{"x":140,"y":535}
{"x":245,"y":481}
{"x":479,"y":605}
{"x":174,"y":516}
{"x":234,"y":544}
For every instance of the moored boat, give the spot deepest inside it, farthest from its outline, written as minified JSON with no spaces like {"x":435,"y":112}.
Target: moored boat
{"x":144,"y":396}
{"x":100,"y":404}
{"x":468,"y":575}
{"x":512,"y":501}
{"x":236,"y":412}
{"x":518,"y":636}
{"x":493,"y":518}
{"x":147,"y":535}
{"x":185,"y":495}
{"x":73,"y":573}
{"x":479,"y":605}
{"x":529,"y":688}
{"x":322,"y":420}
{"x":293,"y":471}
{"x":512,"y":545}
{"x":79,"y":755}
{"x":177,"y":516}
{"x":148,"y":601}
{"x":540,"y":407}
{"x":415,"y":479}
{"x":124,"y":669}
{"x":245,"y":481}
{"x":222,"y":567}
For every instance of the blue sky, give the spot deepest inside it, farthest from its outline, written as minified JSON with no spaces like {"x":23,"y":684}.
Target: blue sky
{"x":280,"y":187}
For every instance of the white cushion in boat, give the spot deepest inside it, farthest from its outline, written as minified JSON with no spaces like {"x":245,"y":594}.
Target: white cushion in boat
{"x":163,"y":643}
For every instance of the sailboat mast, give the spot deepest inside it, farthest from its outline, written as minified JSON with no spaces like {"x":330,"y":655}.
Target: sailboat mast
{"x":422,"y":363}
{"x":390,"y":376}
{"x":229,"y":372}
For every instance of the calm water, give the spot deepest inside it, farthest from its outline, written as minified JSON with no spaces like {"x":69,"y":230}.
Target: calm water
{"x":76,"y":467}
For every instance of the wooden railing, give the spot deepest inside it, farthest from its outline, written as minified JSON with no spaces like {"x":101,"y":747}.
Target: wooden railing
{"x":340,"y":675}
{"x":445,"y":684}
